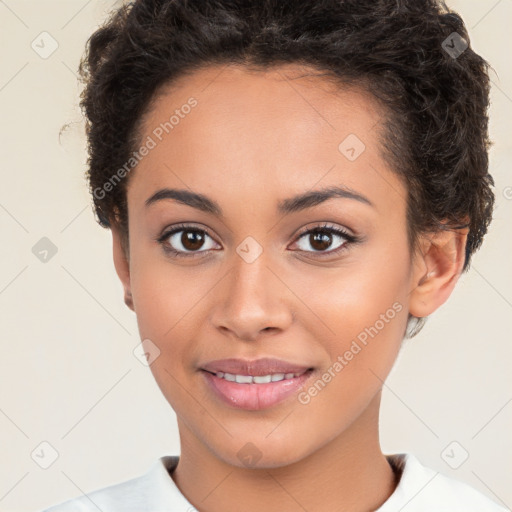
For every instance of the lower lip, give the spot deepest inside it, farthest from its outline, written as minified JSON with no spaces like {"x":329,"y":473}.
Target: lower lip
{"x":255,"y":396}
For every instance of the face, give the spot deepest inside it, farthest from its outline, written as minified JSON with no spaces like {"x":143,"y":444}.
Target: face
{"x":322,"y":284}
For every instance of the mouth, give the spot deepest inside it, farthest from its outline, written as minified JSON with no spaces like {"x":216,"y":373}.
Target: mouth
{"x":254,"y":385}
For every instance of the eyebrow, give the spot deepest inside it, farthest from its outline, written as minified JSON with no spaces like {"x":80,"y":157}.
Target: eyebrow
{"x":293,"y":204}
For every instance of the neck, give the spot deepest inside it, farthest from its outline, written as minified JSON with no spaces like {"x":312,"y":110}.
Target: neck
{"x":348,"y":473}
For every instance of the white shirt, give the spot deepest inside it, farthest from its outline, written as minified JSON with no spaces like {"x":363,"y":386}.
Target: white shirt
{"x":420,"y":489}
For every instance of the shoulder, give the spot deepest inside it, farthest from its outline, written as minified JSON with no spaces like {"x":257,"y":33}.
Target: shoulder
{"x":423,"y":489}
{"x":151,"y":491}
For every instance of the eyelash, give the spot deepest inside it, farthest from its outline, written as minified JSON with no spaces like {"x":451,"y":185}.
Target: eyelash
{"x":325,"y":228}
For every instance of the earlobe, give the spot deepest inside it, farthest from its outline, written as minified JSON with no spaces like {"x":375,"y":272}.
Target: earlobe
{"x":438,"y":265}
{"x":122,"y":266}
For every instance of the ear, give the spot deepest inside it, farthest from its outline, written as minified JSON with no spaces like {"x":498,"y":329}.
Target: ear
{"x":438,"y":264}
{"x":122,"y":265}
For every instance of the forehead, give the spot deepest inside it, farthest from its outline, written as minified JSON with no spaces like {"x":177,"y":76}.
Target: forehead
{"x":287,"y":100}
{"x":252,"y":132}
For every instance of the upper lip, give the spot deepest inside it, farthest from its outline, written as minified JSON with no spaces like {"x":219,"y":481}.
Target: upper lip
{"x":263,"y":366}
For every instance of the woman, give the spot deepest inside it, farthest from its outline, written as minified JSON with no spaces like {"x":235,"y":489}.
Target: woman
{"x":292,"y":189}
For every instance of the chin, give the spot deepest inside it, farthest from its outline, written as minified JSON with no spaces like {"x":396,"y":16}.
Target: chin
{"x":261,"y":453}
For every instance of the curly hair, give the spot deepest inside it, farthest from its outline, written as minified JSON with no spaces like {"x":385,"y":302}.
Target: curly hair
{"x":436,"y":100}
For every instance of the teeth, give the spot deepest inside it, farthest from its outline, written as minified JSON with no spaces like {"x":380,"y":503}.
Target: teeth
{"x":259,"y":379}
{"x":243,"y":379}
{"x":263,"y":379}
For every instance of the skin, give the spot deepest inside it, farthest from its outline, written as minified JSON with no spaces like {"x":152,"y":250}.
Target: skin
{"x":254,"y":139}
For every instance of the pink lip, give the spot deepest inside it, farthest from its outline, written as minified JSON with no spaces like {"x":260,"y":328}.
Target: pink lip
{"x":263,"y":366}
{"x":255,"y":396}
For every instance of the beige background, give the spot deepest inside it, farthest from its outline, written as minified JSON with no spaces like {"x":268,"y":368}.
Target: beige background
{"x":68,"y":373}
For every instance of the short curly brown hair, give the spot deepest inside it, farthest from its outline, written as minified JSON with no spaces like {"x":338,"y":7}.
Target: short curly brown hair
{"x":413,"y":56}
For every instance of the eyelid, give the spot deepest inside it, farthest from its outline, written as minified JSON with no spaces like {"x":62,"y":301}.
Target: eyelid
{"x":167,"y":232}
{"x":327,"y":226}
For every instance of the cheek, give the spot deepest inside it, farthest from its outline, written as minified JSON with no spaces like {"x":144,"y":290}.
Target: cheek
{"x":354,"y":296}
{"x":162,"y":292}
{"x":362,"y":315}
{"x":164,"y":304}
{"x":170,"y":304}
{"x":366,"y":323}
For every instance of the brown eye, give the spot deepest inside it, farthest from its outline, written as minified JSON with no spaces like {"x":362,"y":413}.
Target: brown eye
{"x":186,"y":241}
{"x":192,"y":240}
{"x":321,"y":240}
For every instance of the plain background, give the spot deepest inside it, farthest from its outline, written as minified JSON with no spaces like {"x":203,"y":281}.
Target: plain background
{"x":68,"y":373}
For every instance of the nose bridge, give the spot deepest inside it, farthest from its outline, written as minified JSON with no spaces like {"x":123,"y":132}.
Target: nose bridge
{"x":250,"y":289}
{"x":252,"y":298}
{"x":250,"y":272}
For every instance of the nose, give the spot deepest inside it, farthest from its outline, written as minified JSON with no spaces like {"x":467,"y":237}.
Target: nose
{"x":252,"y":301}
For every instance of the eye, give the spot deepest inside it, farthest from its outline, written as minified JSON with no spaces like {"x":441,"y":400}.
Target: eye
{"x":321,"y":238}
{"x":185,"y":241}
